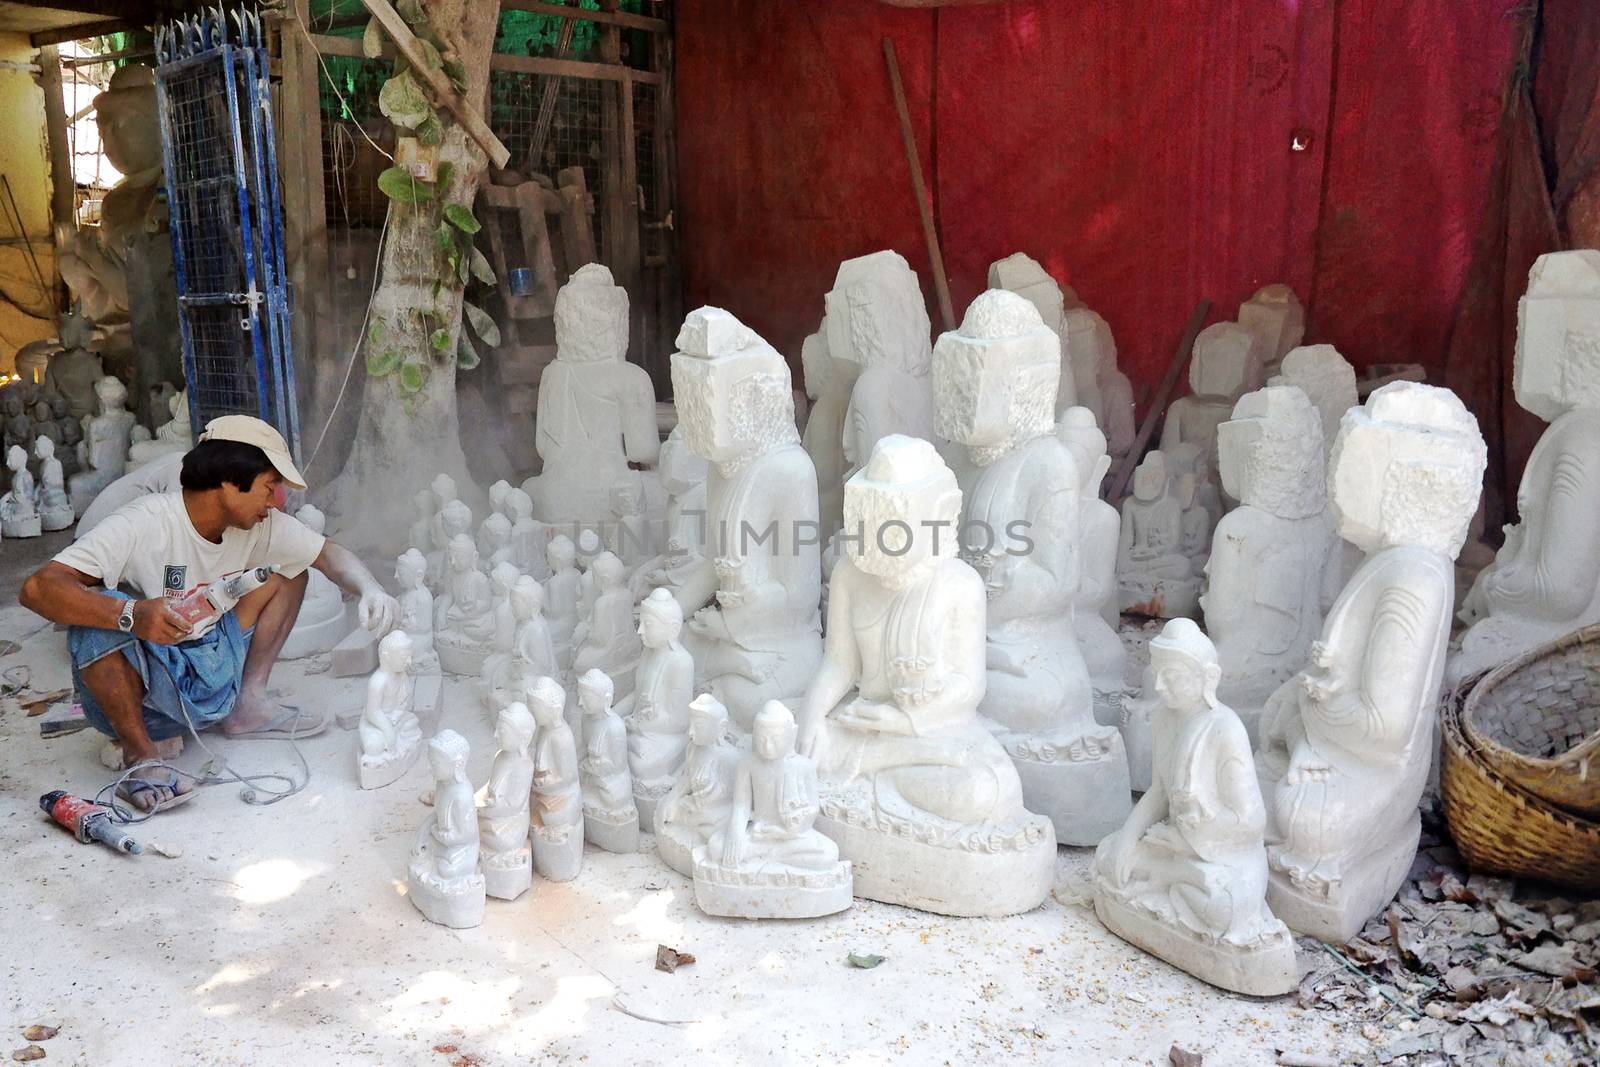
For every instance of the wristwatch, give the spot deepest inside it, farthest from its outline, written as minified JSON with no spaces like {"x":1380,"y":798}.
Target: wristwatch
{"x":125,"y":620}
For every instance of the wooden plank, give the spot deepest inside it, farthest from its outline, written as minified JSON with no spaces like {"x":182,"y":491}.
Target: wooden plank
{"x":629,"y":219}
{"x":941,"y":283}
{"x":96,"y":28}
{"x":348,"y":47}
{"x":577,"y":209}
{"x":1158,"y":407}
{"x":571,"y":68}
{"x":608,"y":18}
{"x":63,"y":189}
{"x":437,"y":80}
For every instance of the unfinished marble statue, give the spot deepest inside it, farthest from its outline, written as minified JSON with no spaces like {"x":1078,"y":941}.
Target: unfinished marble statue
{"x":1102,"y":387}
{"x":1223,"y":368}
{"x":1346,"y":744}
{"x":445,"y":494}
{"x":1277,"y":320}
{"x":1154,"y":577}
{"x":610,"y":819}
{"x":1195,"y":519}
{"x":1096,"y":611}
{"x":698,"y":802}
{"x":389,"y":733}
{"x":454,"y":520}
{"x":174,"y":435}
{"x":876,"y":319}
{"x":69,"y":431}
{"x":557,"y":803}
{"x":494,"y":540}
{"x":75,"y":369}
{"x":1023,"y":275}
{"x":1327,"y":379}
{"x":829,"y":383}
{"x":19,"y":510}
{"x":503,"y":813}
{"x":755,"y":627}
{"x":629,"y":534}
{"x":1272,"y":556}
{"x":916,"y":791}
{"x":444,"y":882}
{"x":683,"y":477}
{"x":768,"y":860}
{"x":529,"y":537}
{"x":55,"y":509}
{"x":18,"y":425}
{"x":1190,"y":458}
{"x":994,"y":383}
{"x":597,"y":411}
{"x":44,"y":423}
{"x":416,"y":608}
{"x":103,"y":455}
{"x":561,"y":597}
{"x":657,"y":711}
{"x":1545,"y":580}
{"x":323,"y":621}
{"x":608,"y":641}
{"x":1185,"y":878}
{"x":532,"y":655}
{"x":463,"y":614}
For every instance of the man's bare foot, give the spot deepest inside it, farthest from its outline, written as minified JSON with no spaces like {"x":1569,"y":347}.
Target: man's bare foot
{"x":154,"y":788}
{"x":257,"y":715}
{"x":112,"y":756}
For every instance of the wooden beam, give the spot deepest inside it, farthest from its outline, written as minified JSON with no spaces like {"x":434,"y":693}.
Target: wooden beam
{"x":941,"y":283}
{"x":97,"y":28}
{"x":63,"y":189}
{"x":605,"y":18}
{"x":1158,"y":406}
{"x":438,"y":81}
{"x":572,"y":68}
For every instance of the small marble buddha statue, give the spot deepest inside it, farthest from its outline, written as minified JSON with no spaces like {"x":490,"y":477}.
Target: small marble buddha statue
{"x":1154,"y":577}
{"x":444,"y":881}
{"x":503,"y":812}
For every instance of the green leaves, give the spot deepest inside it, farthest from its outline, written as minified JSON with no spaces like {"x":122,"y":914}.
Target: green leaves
{"x":411,"y":11}
{"x":398,"y":185}
{"x":402,"y":101}
{"x":480,"y":268}
{"x":372,"y":39}
{"x":431,"y":132}
{"x":430,"y":54}
{"x":457,"y":72}
{"x":462,"y":218}
{"x":442,"y":176}
{"x":439,"y":341}
{"x":865,"y":961}
{"x":466,"y":356}
{"x":412,"y":376}
{"x":482,"y":324}
{"x":380,"y":364}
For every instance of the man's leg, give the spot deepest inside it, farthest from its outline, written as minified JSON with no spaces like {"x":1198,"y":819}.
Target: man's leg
{"x":116,"y":686}
{"x":272,"y":610}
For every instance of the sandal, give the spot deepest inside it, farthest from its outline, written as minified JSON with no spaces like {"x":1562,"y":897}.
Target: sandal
{"x":291,"y":725}
{"x":129,"y":788}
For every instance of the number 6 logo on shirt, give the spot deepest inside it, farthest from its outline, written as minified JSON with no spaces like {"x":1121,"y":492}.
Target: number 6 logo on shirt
{"x":175,"y":578}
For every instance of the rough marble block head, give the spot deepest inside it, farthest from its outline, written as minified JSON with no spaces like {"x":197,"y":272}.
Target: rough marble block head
{"x":1274,"y":314}
{"x":1224,"y":361}
{"x":1407,"y":469}
{"x":876,"y":314}
{"x":1558,"y":335}
{"x":591,"y":317}
{"x":1327,"y":379}
{"x":1150,"y":476}
{"x":995,"y":378}
{"x":1271,"y":453}
{"x":312,"y":516}
{"x":815,"y":362}
{"x":891,"y":503}
{"x":1020,"y":273}
{"x":1089,"y":341}
{"x":731,"y":388}
{"x":394,"y":651}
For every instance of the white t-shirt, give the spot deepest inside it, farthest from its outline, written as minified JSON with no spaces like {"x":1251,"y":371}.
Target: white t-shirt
{"x":151,"y":546}
{"x":158,"y":476}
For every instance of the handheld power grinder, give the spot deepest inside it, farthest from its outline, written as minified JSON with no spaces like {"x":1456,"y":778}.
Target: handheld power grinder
{"x":87,"y":821}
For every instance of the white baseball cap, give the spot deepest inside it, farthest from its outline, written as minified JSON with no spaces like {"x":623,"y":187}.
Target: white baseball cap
{"x":249,"y":430}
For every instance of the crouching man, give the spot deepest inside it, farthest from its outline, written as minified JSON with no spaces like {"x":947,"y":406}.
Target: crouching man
{"x":143,"y":673}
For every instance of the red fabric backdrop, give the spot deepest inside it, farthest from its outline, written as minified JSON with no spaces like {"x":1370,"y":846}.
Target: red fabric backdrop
{"x":1142,"y":150}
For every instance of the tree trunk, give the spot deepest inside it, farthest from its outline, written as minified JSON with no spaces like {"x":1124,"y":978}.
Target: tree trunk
{"x":397,"y":453}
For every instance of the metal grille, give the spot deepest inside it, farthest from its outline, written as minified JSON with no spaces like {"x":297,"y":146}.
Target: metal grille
{"x":577,"y":129}
{"x":652,"y":239}
{"x":222,"y":187}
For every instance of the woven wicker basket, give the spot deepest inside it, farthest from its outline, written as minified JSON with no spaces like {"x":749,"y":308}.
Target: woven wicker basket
{"x":1535,"y":721}
{"x":1498,"y":826}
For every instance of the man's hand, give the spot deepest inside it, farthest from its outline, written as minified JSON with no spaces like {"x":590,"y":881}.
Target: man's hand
{"x":378,"y":611}
{"x":156,"y":622}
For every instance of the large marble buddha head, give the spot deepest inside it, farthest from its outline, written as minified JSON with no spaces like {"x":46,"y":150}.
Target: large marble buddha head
{"x":591,"y":317}
{"x":1271,"y":453}
{"x":905,"y":506}
{"x":995,"y":378}
{"x":876,"y":314}
{"x":1089,"y":341}
{"x":1407,"y":470}
{"x":1277,"y":320}
{"x":1150,"y":477}
{"x":731,"y":388}
{"x":1558,"y":335}
{"x":1224,"y":362}
{"x":130,"y":126}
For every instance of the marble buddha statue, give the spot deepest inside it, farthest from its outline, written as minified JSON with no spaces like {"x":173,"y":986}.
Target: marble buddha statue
{"x":829,"y":383}
{"x":556,"y":807}
{"x":19,"y":511}
{"x":1224,"y":367}
{"x":389,"y":734}
{"x":444,"y":881}
{"x":103,"y":454}
{"x":174,"y":435}
{"x":463,"y":613}
{"x":1096,"y":611}
{"x":754,"y":626}
{"x":916,"y":791}
{"x":610,"y":819}
{"x":503,"y":814}
{"x":1345,"y":744}
{"x":1278,"y":322}
{"x":1327,"y":379}
{"x":1154,"y":577}
{"x":702,"y":791}
{"x":55,"y":509}
{"x":994,"y":385}
{"x":657,"y":711}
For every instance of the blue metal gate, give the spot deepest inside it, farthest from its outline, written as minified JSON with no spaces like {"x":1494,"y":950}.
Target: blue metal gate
{"x":221,"y":160}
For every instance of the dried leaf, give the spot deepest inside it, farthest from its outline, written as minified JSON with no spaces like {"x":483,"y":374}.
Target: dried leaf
{"x":40,"y":1032}
{"x":1402,"y":945}
{"x":864,"y":960}
{"x":31,"y":1052}
{"x":482,"y":324}
{"x":480,"y":267}
{"x":1182,"y":1057}
{"x":430,"y":54}
{"x":670,"y":959}
{"x":372,"y":39}
{"x":457,"y":71}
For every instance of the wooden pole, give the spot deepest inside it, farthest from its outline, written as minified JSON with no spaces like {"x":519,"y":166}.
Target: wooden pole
{"x":63,"y":198}
{"x":1158,"y":406}
{"x":438,"y":81}
{"x":941,"y":284}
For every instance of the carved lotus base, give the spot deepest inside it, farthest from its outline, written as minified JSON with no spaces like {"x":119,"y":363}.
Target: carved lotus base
{"x":782,"y":893}
{"x":460,"y":659}
{"x":646,"y":795}
{"x":1263,"y":969}
{"x":375,"y":774}
{"x":507,"y":875}
{"x":940,"y":867}
{"x":459,"y":906}
{"x":18,"y":528}
{"x":676,"y":847}
{"x":1083,"y":788}
{"x":557,"y":851}
{"x":1335,"y":912}
{"x":614,"y":831}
